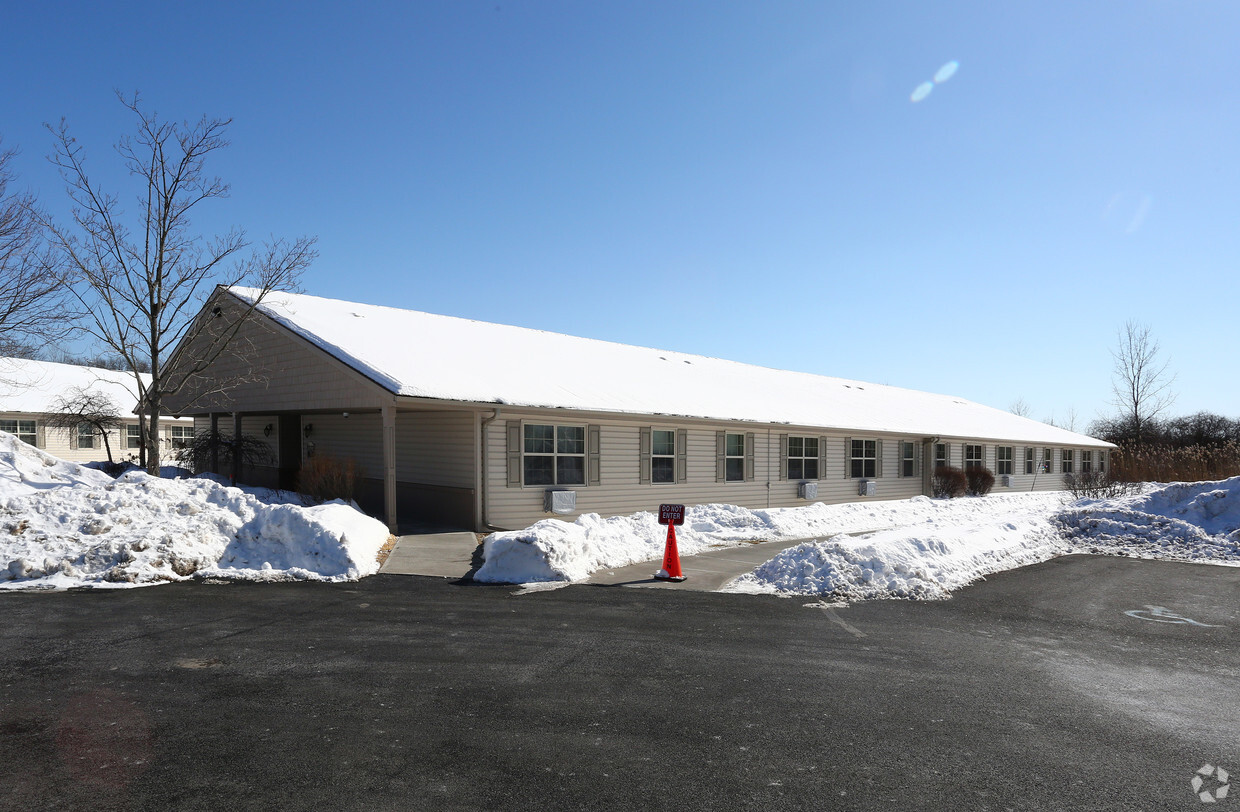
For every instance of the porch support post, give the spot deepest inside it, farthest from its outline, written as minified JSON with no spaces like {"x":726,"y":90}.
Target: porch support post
{"x":215,"y":444}
{"x":389,"y":465}
{"x":236,"y":454}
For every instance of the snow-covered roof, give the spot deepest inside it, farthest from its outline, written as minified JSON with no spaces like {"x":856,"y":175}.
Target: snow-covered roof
{"x":33,"y":386}
{"x":447,"y":358}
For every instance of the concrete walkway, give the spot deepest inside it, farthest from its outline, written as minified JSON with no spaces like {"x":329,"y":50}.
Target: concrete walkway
{"x":447,"y":555}
{"x":704,"y":572}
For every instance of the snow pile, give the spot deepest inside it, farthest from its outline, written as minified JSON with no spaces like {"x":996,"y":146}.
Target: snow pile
{"x":1197,"y":521}
{"x":556,"y":550}
{"x":65,"y":525}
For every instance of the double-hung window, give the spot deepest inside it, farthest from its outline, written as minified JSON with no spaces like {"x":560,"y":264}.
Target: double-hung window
{"x":802,"y":457}
{"x":863,"y":459}
{"x":1102,"y":462}
{"x":940,"y":455}
{"x":734,"y":458}
{"x":25,"y":430}
{"x":133,"y":437}
{"x":182,"y":436}
{"x":974,"y":456}
{"x":908,"y":459}
{"x":1065,"y":463}
{"x":1087,"y":462}
{"x":554,"y":455}
{"x":1029,"y":460}
{"x":1046,"y":460}
{"x":85,"y":435}
{"x":662,"y":456}
{"x":1003,"y":460}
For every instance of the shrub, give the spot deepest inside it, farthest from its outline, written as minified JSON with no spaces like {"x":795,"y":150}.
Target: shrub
{"x":198,"y":452}
{"x":948,"y":482}
{"x":1096,"y":485}
{"x":980,"y":480}
{"x":324,"y":478}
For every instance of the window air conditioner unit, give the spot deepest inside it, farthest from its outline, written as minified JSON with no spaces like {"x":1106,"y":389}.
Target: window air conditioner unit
{"x":868,"y":488}
{"x":560,"y":501}
{"x":1005,"y":481}
{"x":808,"y":490}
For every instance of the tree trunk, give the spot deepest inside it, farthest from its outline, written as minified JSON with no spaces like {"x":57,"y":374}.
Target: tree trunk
{"x":152,"y":441}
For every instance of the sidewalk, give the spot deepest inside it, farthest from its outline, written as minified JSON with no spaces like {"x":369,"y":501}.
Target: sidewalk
{"x":447,"y":555}
{"x":704,"y":572}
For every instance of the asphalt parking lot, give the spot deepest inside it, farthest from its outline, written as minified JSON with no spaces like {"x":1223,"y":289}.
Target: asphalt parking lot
{"x":1075,"y":684}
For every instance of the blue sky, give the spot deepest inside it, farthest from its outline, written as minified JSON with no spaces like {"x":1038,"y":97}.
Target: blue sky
{"x":744,"y":180}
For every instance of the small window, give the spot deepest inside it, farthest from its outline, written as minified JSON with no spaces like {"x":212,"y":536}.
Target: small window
{"x":1046,"y":460}
{"x":1065,"y":464}
{"x":1087,"y":462}
{"x":802,"y":457}
{"x":554,"y":455}
{"x":940,"y":455}
{"x":863,"y":459}
{"x":1029,"y":461}
{"x":133,"y":437}
{"x":908,"y":459}
{"x":1102,"y":462}
{"x":1003,"y":460}
{"x":974,"y":456}
{"x":85,"y":435}
{"x":663,"y":456}
{"x":734,"y":458}
{"x":182,"y":436}
{"x":25,"y":430}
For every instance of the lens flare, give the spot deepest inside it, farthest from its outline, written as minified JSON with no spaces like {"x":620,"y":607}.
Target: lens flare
{"x":946,"y":72}
{"x":922,"y":91}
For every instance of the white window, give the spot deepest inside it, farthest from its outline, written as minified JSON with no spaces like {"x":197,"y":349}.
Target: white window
{"x":1029,"y":461}
{"x":802,"y":457}
{"x":662,"y":456}
{"x":863,"y":459}
{"x":554,"y":455}
{"x":940,"y":455}
{"x":25,"y":430}
{"x":734,"y":458}
{"x":1065,"y":463}
{"x":908,"y":459}
{"x":1087,"y":462}
{"x":85,"y":435}
{"x":1003,"y":460}
{"x":974,"y":456}
{"x":1046,"y":460}
{"x":1102,"y":462}
{"x":182,"y":436}
{"x":133,"y":437}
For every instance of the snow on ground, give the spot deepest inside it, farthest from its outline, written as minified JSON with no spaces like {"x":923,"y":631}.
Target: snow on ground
{"x":918,"y":548}
{"x":65,"y":525}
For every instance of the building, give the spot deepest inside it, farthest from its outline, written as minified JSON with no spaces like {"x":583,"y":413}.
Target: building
{"x":491,"y":426}
{"x":29,"y":391}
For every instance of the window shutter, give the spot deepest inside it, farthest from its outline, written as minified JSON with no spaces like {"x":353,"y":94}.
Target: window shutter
{"x":749,"y":465}
{"x":878,"y":463}
{"x":899,"y":459}
{"x":594,"y":475}
{"x":721,"y":450}
{"x":947,"y":454}
{"x":682,"y":455}
{"x":643,"y":455}
{"x":822,"y":457}
{"x":73,"y":437}
{"x":783,"y":456}
{"x":40,"y":435}
{"x":847,"y":458}
{"x":514,"y":453}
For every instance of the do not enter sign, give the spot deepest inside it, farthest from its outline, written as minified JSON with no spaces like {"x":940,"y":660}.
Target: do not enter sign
{"x":671,"y":514}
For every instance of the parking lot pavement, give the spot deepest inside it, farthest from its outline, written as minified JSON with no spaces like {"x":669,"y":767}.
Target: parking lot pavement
{"x":1081,"y":683}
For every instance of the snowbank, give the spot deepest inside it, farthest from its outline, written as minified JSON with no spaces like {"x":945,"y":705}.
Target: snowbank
{"x":918,"y":548}
{"x":65,"y":525}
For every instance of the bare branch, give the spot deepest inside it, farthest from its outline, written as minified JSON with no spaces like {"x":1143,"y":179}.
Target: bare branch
{"x":1141,"y":381}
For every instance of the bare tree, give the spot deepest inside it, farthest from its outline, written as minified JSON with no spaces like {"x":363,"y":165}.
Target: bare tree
{"x":32,"y":305}
{"x":142,"y":280}
{"x":1140,"y":381}
{"x":1020,"y":408}
{"x":78,"y":407}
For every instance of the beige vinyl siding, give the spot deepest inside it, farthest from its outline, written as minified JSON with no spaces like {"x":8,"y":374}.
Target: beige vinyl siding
{"x":358,"y":437}
{"x":436,"y":448}
{"x":621,"y":490}
{"x":59,"y":443}
{"x":284,"y":373}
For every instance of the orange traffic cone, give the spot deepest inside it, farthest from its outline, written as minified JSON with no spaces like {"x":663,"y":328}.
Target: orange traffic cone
{"x":671,"y":558}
